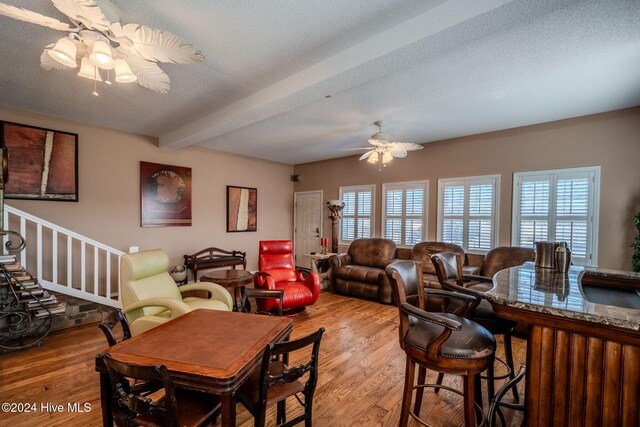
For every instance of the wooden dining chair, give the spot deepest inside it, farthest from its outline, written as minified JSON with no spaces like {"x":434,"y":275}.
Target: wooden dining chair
{"x":276,"y":381}
{"x":261,"y":294}
{"x":167,"y":406}
{"x":109,"y":325}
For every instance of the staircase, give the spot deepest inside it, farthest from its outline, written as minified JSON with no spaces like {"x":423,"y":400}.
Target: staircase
{"x":66,"y":262}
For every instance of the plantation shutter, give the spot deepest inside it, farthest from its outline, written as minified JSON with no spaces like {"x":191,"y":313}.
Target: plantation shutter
{"x":404,"y":209}
{"x":480,"y":216}
{"x":453,"y":211}
{"x":557,"y":206}
{"x":356,"y":222}
{"x":467,"y":212}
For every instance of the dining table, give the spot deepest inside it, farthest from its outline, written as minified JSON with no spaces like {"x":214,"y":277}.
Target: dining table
{"x":205,"y":350}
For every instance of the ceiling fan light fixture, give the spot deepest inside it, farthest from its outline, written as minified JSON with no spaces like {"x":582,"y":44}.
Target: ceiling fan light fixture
{"x":96,"y":31}
{"x":123,"y":72}
{"x":101,"y":55}
{"x":383,"y":150}
{"x":64,"y":52}
{"x":88,"y":70}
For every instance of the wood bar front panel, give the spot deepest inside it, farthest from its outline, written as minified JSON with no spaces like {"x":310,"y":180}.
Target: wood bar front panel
{"x":574,"y":380}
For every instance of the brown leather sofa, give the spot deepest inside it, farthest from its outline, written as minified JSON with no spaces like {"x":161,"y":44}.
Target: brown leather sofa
{"x":361,"y":271}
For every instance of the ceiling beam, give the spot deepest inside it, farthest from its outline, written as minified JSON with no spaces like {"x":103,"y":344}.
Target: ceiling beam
{"x":331,"y":75}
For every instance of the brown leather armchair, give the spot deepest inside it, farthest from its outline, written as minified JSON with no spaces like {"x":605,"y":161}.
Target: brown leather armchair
{"x":503,"y":257}
{"x":361,"y":271}
{"x":423,"y":251}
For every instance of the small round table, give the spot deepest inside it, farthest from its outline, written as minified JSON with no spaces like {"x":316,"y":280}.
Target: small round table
{"x":235,"y":279}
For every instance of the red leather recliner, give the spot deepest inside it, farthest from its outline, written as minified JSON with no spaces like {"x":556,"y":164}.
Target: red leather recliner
{"x":278,"y":271}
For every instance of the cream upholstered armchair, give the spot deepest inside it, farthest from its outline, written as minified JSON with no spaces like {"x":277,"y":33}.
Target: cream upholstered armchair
{"x":150,"y":296}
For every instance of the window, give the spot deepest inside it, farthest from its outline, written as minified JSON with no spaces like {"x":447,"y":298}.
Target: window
{"x":357,"y":214}
{"x":558,"y":205}
{"x":468,"y":212}
{"x":404,"y":212}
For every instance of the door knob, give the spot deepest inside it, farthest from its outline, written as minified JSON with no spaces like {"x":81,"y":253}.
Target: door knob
{"x":318,"y":231}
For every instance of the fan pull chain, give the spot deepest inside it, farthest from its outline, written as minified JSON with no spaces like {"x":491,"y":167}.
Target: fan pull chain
{"x":95,"y":81}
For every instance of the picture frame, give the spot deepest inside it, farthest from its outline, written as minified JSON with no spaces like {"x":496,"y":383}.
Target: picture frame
{"x":165,"y":195}
{"x":42,"y":163}
{"x":242,"y":209}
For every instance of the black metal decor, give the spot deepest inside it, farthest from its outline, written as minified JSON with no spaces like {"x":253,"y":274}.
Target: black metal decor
{"x":25,"y":319}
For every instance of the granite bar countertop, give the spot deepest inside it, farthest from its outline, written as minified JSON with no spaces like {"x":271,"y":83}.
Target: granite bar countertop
{"x":549,"y":292}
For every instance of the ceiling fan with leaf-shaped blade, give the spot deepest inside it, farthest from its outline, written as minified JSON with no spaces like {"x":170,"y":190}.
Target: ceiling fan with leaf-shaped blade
{"x":99,"y":42}
{"x":383,"y":150}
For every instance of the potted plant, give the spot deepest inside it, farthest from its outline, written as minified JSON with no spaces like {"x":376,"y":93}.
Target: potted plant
{"x":635,"y":259}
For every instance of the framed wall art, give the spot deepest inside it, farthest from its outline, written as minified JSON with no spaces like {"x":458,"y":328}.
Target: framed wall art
{"x":43,"y":163}
{"x":165,"y":195}
{"x":242,"y":209}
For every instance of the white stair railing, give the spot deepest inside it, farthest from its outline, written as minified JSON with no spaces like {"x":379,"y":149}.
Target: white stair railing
{"x":65,"y":261}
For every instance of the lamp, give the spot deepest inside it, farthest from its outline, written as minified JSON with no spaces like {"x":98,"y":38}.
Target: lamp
{"x":64,"y":52}
{"x":386,"y":157}
{"x":90,"y":71}
{"x":101,"y":55}
{"x":123,"y":72}
{"x":335,"y":206}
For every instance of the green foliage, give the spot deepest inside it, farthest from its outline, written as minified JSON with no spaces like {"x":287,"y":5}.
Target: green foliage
{"x":635,"y":260}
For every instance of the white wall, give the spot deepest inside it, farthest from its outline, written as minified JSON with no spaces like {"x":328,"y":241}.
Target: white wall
{"x":109,"y":193}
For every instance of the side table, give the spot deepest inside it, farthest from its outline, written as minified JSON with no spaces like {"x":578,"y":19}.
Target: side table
{"x":236,"y":279}
{"x":319,"y":265}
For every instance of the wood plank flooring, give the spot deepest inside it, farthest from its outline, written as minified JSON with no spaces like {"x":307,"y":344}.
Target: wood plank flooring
{"x":360,"y":382}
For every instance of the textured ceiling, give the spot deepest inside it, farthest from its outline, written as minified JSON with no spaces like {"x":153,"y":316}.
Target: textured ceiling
{"x":430,"y":69}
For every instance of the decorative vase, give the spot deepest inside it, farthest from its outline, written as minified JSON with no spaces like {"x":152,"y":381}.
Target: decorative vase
{"x":178,"y":273}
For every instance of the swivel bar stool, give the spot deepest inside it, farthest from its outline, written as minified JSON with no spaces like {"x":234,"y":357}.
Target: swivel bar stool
{"x":448,"y":267}
{"x":443,"y":342}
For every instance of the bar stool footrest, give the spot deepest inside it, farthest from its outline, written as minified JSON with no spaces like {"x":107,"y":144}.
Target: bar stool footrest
{"x":500,"y":377}
{"x":496,"y":403}
{"x":412,"y":414}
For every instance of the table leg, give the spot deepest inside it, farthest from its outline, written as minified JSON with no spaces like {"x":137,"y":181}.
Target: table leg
{"x":105,"y":400}
{"x":314,"y":266}
{"x":238,"y":291}
{"x":228,"y":410}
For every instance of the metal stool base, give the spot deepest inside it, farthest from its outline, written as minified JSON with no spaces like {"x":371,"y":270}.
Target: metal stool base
{"x":496,"y":404}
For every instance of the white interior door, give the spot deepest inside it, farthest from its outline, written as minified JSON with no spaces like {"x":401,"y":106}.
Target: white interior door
{"x":308,"y":225}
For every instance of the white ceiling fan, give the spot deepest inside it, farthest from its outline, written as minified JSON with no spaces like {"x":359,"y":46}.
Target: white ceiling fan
{"x":383,"y":150}
{"x":98,"y":41}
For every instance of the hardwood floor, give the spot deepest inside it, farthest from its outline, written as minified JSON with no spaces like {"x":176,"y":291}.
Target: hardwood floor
{"x":360,"y":382}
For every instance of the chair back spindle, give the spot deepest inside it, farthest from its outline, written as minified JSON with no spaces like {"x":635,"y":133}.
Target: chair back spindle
{"x":110,"y":322}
